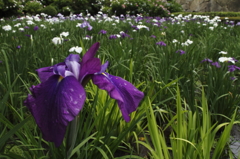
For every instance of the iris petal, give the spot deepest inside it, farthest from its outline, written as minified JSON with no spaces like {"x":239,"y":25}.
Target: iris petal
{"x":90,"y":53}
{"x":46,"y":72}
{"x":73,"y":65}
{"x":127,"y":95}
{"x":73,"y":57}
{"x":90,"y":67}
{"x":104,"y":67}
{"x":54,"y":103}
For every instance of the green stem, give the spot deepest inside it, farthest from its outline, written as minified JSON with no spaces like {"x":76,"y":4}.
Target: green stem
{"x":73,"y":128}
{"x":71,"y":136}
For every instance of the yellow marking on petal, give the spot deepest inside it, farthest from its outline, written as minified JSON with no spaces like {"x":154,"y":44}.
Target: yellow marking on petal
{"x":60,"y":78}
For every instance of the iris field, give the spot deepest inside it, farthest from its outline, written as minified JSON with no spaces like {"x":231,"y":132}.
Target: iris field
{"x":183,"y":81}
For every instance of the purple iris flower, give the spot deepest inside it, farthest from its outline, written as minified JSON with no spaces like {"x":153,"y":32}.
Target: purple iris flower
{"x":181,"y":52}
{"x":135,"y":27}
{"x":234,"y":59}
{"x":238,"y":23}
{"x":232,"y":68}
{"x":153,"y":36}
{"x":216,"y":64}
{"x":206,"y":60}
{"x":35,"y":28}
{"x":233,"y":78}
{"x":85,"y":24}
{"x":161,"y":43}
{"x":102,"y":32}
{"x":124,"y":35}
{"x":60,"y":96}
{"x":26,"y":27}
{"x":18,"y":47}
{"x":113,"y":37}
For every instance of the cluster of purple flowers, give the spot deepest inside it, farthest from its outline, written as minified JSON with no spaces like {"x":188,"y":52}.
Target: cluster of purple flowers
{"x":113,"y":37}
{"x":102,"y":32}
{"x":161,"y":43}
{"x":35,"y":28}
{"x":124,"y":35}
{"x":85,"y":24}
{"x":153,"y":36}
{"x":210,"y":61}
{"x":232,"y":68}
{"x":181,"y":52}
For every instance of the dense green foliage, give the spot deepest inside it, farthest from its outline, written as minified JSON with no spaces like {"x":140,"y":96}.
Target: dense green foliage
{"x":49,"y":10}
{"x":33,"y":7}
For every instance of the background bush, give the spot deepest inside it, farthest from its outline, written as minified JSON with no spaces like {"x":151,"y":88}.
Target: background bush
{"x":49,"y":10}
{"x":65,"y":7}
{"x":10,"y":7}
{"x":148,"y":8}
{"x":33,"y":7}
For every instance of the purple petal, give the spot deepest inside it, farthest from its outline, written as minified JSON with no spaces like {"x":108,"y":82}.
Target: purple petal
{"x":73,"y":57}
{"x":90,"y":67}
{"x":59,"y":70}
{"x":127,"y":95}
{"x":44,"y":73}
{"x":104,"y":67}
{"x":90,"y":53}
{"x":54,"y":103}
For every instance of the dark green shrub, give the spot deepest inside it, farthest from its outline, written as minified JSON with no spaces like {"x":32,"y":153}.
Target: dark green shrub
{"x":66,"y":11}
{"x":49,"y":10}
{"x":85,"y":6}
{"x":174,"y":7}
{"x":33,"y":7}
{"x":144,"y":7}
{"x":60,"y":4}
{"x":10,"y":7}
{"x":47,"y":2}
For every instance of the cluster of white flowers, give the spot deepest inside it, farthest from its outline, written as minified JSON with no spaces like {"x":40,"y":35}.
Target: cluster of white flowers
{"x":142,"y":26}
{"x":225,"y":59}
{"x":211,"y":28}
{"x":175,"y":41}
{"x":7,"y":28}
{"x":43,"y":26}
{"x":30,"y":22}
{"x":76,"y":49}
{"x":17,"y":25}
{"x":186,"y":43}
{"x":223,"y":52}
{"x":65,"y":34}
{"x":59,"y":40}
